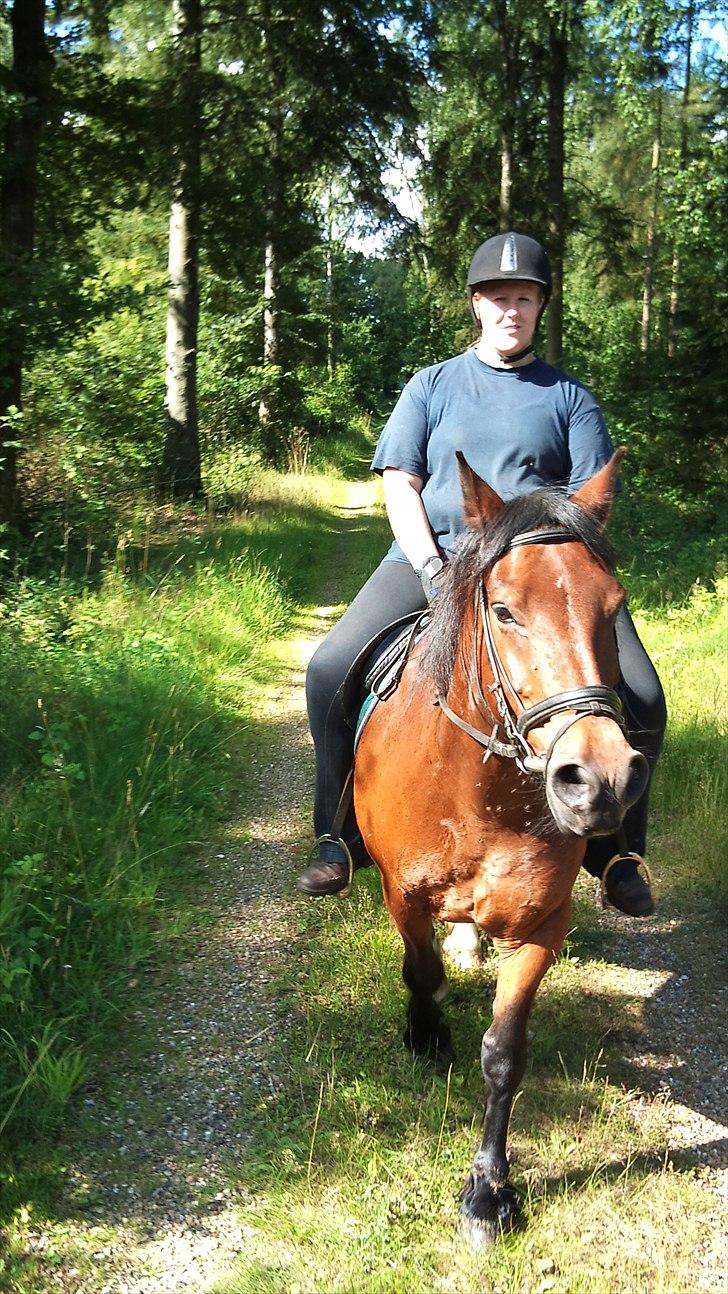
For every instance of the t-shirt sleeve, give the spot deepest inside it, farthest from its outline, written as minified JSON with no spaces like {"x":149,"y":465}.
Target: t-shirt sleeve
{"x":590,"y":445}
{"x":403,"y":442}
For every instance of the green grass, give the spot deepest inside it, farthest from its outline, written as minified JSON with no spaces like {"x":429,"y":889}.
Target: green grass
{"x":126,"y":713}
{"x":689,"y":646}
{"x":353,"y":1172}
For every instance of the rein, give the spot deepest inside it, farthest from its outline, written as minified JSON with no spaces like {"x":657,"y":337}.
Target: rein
{"x":580,"y":702}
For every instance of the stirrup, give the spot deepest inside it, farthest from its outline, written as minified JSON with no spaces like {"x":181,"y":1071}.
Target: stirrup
{"x":622,"y":858}
{"x":327,"y":838}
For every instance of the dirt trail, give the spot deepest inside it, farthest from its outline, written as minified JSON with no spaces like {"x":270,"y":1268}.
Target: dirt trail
{"x":148,"y":1208}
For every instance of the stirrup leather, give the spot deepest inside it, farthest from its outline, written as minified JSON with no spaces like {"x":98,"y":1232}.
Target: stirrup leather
{"x":622,"y":858}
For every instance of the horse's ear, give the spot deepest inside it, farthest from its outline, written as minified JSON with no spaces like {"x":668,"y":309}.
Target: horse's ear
{"x":480,"y":502}
{"x":597,"y":496}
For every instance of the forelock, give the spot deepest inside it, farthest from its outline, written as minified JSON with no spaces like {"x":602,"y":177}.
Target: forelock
{"x":480,"y":548}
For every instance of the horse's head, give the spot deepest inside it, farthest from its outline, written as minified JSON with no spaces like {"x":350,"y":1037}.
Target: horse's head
{"x":546,"y":601}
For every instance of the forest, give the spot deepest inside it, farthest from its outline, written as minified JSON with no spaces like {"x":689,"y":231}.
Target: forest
{"x":291,"y":197}
{"x":229,"y":234}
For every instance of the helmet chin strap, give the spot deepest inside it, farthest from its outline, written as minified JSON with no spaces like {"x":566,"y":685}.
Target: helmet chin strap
{"x":521,"y":354}
{"x":527,"y":350}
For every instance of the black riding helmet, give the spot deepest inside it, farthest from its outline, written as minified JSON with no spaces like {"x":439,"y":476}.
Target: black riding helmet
{"x":509,"y":256}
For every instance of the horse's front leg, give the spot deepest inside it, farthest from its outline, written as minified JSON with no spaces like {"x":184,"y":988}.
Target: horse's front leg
{"x":489,"y":1203}
{"x":426,"y":1033}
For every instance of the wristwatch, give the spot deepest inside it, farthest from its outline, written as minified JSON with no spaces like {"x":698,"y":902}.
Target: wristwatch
{"x":431,"y":567}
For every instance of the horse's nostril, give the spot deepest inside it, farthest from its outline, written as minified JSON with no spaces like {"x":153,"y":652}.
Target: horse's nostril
{"x":571,"y":775}
{"x":637,"y":778}
{"x":574,"y":785}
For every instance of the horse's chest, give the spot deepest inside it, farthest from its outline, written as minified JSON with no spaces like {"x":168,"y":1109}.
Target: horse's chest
{"x":506,"y":887}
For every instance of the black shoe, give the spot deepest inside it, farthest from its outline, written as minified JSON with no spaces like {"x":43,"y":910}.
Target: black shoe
{"x":628,"y":890}
{"x":330,"y":874}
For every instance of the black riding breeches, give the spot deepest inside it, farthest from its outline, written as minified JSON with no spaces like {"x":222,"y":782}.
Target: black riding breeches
{"x":393,"y":591}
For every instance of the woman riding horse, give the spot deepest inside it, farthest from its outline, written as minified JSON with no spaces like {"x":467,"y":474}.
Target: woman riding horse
{"x":521,"y":424}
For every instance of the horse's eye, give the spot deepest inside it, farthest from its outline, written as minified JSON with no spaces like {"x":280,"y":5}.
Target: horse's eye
{"x":502,"y":614}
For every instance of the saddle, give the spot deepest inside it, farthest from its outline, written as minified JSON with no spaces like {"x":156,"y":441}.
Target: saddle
{"x":372,"y":677}
{"x":376,"y":671}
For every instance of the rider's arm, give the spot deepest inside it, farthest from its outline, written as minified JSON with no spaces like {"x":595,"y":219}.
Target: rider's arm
{"x":407,"y":516}
{"x":590,"y":445}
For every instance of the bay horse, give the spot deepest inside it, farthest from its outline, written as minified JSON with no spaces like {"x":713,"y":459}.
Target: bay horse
{"x":479,"y":782}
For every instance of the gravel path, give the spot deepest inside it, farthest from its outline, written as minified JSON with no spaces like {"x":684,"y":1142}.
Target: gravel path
{"x":157,"y":1214}
{"x":679,"y":970}
{"x":148,"y":1208}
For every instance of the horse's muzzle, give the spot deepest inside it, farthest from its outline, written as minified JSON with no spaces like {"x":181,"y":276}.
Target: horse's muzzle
{"x":586,"y":802}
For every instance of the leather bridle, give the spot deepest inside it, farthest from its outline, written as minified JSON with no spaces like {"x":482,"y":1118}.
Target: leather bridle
{"x":578,"y":702}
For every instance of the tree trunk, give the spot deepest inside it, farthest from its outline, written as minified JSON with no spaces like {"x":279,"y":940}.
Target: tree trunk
{"x":672,"y":328}
{"x":330,"y":357}
{"x":558,"y":60}
{"x":651,"y":247}
{"x":268,"y":407}
{"x":29,"y":83}
{"x":505,"y":205}
{"x":509,"y":44}
{"x":181,"y":459}
{"x":270,"y":296}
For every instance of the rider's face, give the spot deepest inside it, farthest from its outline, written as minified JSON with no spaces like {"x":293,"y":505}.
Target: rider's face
{"x":508,"y":313}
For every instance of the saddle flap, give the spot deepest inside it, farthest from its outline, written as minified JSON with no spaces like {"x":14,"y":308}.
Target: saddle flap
{"x":381,"y":654}
{"x":383,"y":674}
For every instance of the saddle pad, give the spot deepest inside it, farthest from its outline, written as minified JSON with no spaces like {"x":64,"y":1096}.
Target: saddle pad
{"x":385,"y":670}
{"x":368,"y":705}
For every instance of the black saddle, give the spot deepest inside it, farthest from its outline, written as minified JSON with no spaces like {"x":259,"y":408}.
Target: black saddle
{"x":378,"y":667}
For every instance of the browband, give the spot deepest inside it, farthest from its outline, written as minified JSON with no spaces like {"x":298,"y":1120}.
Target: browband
{"x":542,"y":537}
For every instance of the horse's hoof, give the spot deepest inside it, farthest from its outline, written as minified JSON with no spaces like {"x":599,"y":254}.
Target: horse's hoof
{"x":434,"y":1045}
{"x":487,"y":1212}
{"x":477,"y":1234}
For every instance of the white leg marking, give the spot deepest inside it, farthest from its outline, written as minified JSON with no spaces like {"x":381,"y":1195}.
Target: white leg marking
{"x":441,"y":993}
{"x":462,"y":945}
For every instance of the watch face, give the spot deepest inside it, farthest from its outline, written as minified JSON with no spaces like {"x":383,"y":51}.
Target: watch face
{"x":433,"y":566}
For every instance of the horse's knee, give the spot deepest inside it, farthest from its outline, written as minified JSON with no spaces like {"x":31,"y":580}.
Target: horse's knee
{"x":424,"y":973}
{"x":426,"y":1033}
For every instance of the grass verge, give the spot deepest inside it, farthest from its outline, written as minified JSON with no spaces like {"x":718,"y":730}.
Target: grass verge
{"x":126,"y":712}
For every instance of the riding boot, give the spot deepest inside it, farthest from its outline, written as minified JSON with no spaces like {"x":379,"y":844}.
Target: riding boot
{"x":616,"y":862}
{"x":626,"y":888}
{"x":329,"y":874}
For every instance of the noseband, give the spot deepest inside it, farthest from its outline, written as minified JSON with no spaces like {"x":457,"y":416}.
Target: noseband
{"x":579,"y":702}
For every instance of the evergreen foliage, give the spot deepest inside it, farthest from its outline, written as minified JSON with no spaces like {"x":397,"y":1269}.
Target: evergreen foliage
{"x":318,"y":299}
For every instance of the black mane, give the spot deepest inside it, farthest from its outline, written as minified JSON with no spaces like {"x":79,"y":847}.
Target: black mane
{"x":479,"y":550}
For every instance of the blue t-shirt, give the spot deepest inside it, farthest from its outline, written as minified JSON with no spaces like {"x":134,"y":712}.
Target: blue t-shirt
{"x":518,"y":429}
